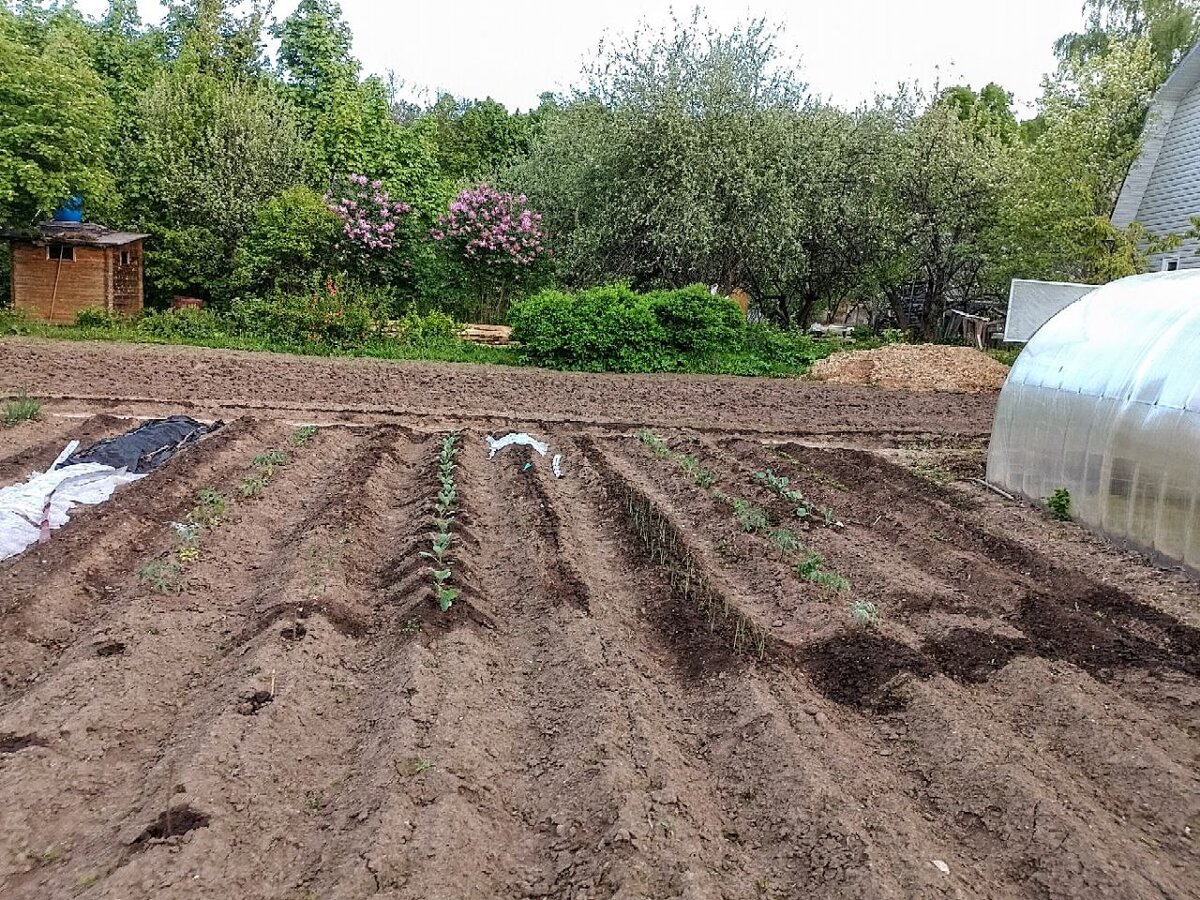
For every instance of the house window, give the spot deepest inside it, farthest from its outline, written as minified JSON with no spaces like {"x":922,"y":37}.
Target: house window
{"x":63,"y":252}
{"x":1170,"y":264}
{"x":124,"y":257}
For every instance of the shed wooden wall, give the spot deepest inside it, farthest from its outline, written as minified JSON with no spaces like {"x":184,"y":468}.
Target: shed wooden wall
{"x":95,"y":279}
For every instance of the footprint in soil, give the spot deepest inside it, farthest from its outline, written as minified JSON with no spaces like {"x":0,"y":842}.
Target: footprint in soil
{"x":170,"y":823}
{"x":250,"y":702}
{"x":15,"y":743}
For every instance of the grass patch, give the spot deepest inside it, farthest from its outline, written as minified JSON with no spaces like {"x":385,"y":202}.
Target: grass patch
{"x":21,"y":409}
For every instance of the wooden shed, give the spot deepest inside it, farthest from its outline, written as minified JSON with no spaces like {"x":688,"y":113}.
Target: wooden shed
{"x":63,"y":267}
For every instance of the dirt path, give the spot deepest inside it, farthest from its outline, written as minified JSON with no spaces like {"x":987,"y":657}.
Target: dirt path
{"x":230,"y":383}
{"x":650,"y":686}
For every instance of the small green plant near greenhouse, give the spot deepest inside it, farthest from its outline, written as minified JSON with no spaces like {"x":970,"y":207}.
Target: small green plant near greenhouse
{"x":778,"y":485}
{"x":21,"y":409}
{"x":864,"y":613}
{"x":302,"y":435}
{"x":1059,"y":504}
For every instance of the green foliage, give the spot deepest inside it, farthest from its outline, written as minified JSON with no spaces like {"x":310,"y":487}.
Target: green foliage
{"x":291,"y":241}
{"x":444,"y":514}
{"x":182,"y":325}
{"x":330,"y":316}
{"x":433,"y":329}
{"x":749,"y":516}
{"x":302,"y":435}
{"x":21,"y":409}
{"x":613,"y":328}
{"x":56,"y":125}
{"x":1059,"y":504}
{"x":99,"y":318}
{"x":207,"y":155}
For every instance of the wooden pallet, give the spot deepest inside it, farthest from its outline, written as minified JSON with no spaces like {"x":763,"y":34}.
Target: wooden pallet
{"x":491,"y":335}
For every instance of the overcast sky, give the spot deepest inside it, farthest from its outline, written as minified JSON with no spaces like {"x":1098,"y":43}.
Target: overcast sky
{"x":513,"y":50}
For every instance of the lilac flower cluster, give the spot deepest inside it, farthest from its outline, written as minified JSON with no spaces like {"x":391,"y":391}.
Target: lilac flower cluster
{"x":493,"y":227}
{"x":370,"y":218}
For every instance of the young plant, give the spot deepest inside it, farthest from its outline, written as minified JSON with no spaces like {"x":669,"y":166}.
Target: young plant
{"x":749,"y":517}
{"x":21,"y":409}
{"x":1059,"y":504}
{"x":302,"y":435}
{"x":864,"y":613}
{"x":443,"y":521}
{"x":162,"y":577}
{"x":252,"y":486}
{"x":656,"y":444}
{"x":209,"y":510}
{"x":785,"y":539}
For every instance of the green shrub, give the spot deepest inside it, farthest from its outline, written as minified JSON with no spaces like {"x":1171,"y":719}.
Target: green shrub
{"x":1059,"y":504}
{"x":13,"y":321}
{"x":433,"y":329}
{"x":183,"y":325}
{"x":293,"y":237}
{"x":603,"y":329}
{"x":694,"y":320}
{"x":328,"y":315}
{"x":99,"y":318}
{"x":614,"y":329}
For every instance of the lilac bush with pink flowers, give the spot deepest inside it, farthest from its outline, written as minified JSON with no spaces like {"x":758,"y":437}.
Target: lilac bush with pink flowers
{"x":499,"y":239}
{"x":371,"y":219}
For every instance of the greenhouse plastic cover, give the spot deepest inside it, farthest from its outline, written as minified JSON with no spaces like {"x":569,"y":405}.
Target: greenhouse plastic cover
{"x":1105,"y":402}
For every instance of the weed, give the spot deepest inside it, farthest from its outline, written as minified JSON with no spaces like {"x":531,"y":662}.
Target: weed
{"x":302,"y":435}
{"x":252,"y":486}
{"x":412,"y":626}
{"x":188,"y":554}
{"x":933,"y":474}
{"x":417,"y":765}
{"x":864,"y":613}
{"x":1059,"y":504}
{"x":21,"y":409}
{"x":87,"y":879}
{"x":656,"y":444}
{"x":187,"y":533}
{"x":161,"y":576}
{"x":314,"y":801}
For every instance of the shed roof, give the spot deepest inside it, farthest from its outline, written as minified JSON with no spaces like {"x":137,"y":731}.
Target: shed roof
{"x":77,"y":234}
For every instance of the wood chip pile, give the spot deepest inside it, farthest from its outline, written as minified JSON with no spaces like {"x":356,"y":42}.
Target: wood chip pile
{"x":915,"y":367}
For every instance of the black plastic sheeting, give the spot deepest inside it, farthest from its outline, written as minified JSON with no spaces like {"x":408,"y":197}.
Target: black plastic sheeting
{"x":145,"y":448}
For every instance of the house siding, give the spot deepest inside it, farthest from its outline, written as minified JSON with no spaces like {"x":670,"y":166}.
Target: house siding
{"x":1172,"y":192}
{"x":50,"y":291}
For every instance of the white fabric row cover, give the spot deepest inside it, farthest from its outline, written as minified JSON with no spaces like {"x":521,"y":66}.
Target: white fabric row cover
{"x":44,"y":502}
{"x":1105,"y":402}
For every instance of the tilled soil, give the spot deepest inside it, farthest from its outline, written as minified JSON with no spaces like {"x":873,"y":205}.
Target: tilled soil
{"x":634,"y":696}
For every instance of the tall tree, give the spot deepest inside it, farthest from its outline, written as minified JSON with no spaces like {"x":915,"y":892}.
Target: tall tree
{"x":56,"y":126}
{"x":1171,"y":27}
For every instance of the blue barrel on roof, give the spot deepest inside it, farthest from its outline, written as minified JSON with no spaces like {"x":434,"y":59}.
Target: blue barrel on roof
{"x":70,"y":211}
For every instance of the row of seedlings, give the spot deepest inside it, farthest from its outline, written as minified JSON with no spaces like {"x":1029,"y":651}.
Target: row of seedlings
{"x":444,"y":511}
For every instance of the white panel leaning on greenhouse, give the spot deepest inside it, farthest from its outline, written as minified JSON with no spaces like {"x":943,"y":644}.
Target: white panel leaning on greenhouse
{"x":1104,"y":401}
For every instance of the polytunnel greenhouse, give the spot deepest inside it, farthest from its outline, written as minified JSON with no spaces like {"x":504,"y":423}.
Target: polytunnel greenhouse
{"x":1104,"y":401}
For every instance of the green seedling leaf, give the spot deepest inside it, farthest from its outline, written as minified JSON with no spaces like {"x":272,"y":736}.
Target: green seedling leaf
{"x":446,"y":597}
{"x":441,"y":575}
